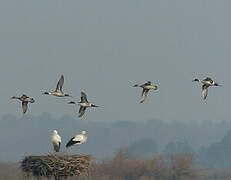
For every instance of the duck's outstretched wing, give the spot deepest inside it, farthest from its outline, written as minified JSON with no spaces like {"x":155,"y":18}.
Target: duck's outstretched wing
{"x":209,"y":80}
{"x":83,"y":97}
{"x":60,"y":83}
{"x":81,"y":111}
{"x":148,"y":83}
{"x":24,"y":107}
{"x":24,"y":96}
{"x":144,"y":95}
{"x":204,"y":91}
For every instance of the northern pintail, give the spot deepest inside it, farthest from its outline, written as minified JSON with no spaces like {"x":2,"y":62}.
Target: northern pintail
{"x":146,"y":87}
{"x":58,"y":91}
{"x":78,"y":139}
{"x":25,"y":100}
{"x":206,"y":83}
{"x":56,"y":140}
{"x":83,"y":104}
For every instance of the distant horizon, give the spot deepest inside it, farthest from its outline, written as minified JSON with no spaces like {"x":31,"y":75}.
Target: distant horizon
{"x":109,"y":121}
{"x":107,"y":137}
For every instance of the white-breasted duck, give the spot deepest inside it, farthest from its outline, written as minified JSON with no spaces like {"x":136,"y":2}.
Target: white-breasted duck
{"x":84,"y":104}
{"x":58,"y":91}
{"x":206,"y":83}
{"x":146,"y":87}
{"x":78,"y":139}
{"x":25,"y":100}
{"x":56,"y":140}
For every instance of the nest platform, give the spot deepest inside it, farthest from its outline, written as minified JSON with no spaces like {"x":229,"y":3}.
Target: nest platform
{"x":60,"y":166}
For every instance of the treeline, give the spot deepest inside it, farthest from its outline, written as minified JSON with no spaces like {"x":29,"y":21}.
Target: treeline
{"x":217,"y":155}
{"x":208,"y":142}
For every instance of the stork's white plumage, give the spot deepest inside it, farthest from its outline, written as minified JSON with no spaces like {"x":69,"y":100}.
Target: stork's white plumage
{"x":78,"y":139}
{"x":56,"y":140}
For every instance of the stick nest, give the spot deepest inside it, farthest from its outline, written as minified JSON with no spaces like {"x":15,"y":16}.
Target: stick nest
{"x":59,"y":166}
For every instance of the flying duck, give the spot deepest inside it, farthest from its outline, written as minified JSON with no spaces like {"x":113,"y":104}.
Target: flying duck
{"x":25,"y":100}
{"x":58,"y":91}
{"x":146,"y":87}
{"x":56,"y":140}
{"x":84,"y":104}
{"x":78,"y":139}
{"x":206,"y":83}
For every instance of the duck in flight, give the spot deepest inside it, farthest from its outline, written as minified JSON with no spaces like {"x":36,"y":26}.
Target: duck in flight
{"x":78,"y":139}
{"x":206,"y":83}
{"x":84,"y":104}
{"x":25,"y":100}
{"x":58,"y":91}
{"x":56,"y":140}
{"x":146,"y":87}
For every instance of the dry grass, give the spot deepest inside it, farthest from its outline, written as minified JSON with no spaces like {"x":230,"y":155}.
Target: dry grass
{"x":174,"y":167}
{"x":6,"y":170}
{"x":121,"y":167}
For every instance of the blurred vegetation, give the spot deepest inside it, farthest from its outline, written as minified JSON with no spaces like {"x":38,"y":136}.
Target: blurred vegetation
{"x":217,"y":155}
{"x":10,"y":171}
{"x":143,"y":148}
{"x":124,"y":166}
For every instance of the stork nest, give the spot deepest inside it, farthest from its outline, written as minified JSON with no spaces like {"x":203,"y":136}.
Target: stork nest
{"x":59,"y":166}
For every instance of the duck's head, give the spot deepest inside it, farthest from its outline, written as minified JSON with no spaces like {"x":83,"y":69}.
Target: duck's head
{"x":196,"y":79}
{"x":84,"y":132}
{"x":14,"y":97}
{"x":32,"y":100}
{"x":67,"y":95}
{"x":92,"y":105}
{"x":155,"y":87}
{"x":46,"y":93}
{"x":71,"y":102}
{"x":55,"y":132}
{"x":216,"y":84}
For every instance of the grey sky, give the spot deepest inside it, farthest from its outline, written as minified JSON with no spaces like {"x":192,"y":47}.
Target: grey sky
{"x":104,"y":47}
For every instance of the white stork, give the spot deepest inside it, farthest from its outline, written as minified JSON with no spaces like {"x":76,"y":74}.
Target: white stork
{"x":78,"y":139}
{"x":56,"y":140}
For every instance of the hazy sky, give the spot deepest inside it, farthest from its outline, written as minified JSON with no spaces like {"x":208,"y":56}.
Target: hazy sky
{"x":104,"y":47}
